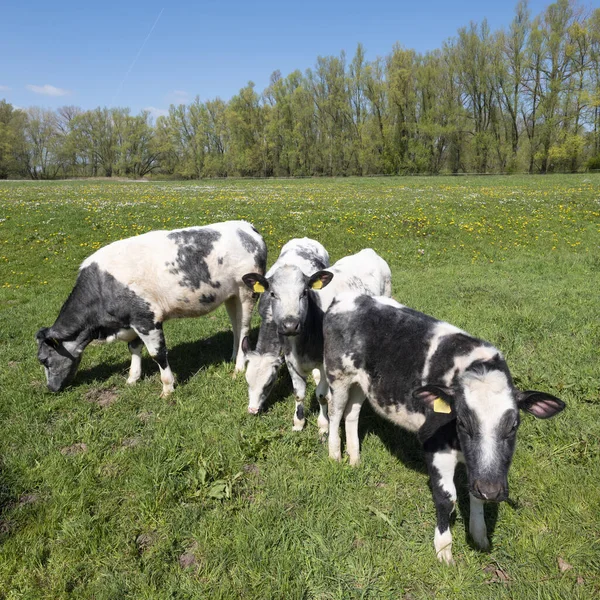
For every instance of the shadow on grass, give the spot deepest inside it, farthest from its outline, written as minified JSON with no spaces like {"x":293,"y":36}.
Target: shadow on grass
{"x":185,"y":359}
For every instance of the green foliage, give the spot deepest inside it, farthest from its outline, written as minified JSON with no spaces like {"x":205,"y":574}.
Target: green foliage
{"x":506,"y":101}
{"x":108,"y":491}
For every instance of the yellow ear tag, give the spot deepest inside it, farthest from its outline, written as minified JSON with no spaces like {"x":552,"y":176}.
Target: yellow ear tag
{"x":317,"y":285}
{"x":441,"y":406}
{"x":259,"y":288}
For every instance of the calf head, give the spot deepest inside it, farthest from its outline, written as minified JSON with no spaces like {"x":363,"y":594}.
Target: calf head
{"x":59,"y":363}
{"x":486,"y":407}
{"x":261,"y":375}
{"x":288,"y":290}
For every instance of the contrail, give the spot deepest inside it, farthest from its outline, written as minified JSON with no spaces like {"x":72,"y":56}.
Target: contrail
{"x":135,"y":59}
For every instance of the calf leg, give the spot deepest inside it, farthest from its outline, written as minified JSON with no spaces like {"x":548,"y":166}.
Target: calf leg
{"x":351,"y":414}
{"x":337,"y":400}
{"x":477,"y":527}
{"x":135,"y":370}
{"x":299,"y":383}
{"x":154,"y":340}
{"x":239,"y":308}
{"x":441,"y":465}
{"x":322,"y":389}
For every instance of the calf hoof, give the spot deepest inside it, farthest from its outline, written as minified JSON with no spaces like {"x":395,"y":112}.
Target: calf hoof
{"x":337,"y":456}
{"x":481,"y":542}
{"x":323,"y":425}
{"x":445,"y":556}
{"x":167,"y":392}
{"x":298,"y":425}
{"x":132,"y":380}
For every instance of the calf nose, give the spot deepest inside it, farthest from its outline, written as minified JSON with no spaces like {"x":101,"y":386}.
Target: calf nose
{"x":491,"y":491}
{"x":252,"y":410}
{"x":290,"y":326}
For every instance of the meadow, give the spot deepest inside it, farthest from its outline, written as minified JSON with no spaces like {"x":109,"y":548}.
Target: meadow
{"x":108,"y":491}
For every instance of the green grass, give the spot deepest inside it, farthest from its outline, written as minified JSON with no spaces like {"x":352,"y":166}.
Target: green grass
{"x":107,"y":491}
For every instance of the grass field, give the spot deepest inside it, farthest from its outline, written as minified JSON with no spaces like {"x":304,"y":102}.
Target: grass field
{"x":108,"y":491}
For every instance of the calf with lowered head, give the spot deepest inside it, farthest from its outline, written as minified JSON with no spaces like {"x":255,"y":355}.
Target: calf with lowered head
{"x":429,"y":377}
{"x":263,"y":363}
{"x":127,"y":289}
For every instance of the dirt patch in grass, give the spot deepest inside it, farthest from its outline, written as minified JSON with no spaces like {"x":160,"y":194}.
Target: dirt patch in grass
{"x":74,"y":449}
{"x":102,"y":397}
{"x":28,"y":499}
{"x":188,"y":559}
{"x":145,"y":541}
{"x":130,"y":442}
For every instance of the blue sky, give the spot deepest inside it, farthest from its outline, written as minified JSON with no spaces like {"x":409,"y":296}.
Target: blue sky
{"x":81,"y":53}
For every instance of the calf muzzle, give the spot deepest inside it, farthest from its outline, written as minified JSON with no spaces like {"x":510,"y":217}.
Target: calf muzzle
{"x":290,"y":326}
{"x":490,"y":491}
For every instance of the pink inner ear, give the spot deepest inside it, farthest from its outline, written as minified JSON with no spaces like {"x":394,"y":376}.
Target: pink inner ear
{"x":428,"y":397}
{"x":542,"y":408}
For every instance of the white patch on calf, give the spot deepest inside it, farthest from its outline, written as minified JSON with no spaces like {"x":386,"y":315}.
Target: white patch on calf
{"x":362,"y":273}
{"x":345,"y":302}
{"x":388,"y":302}
{"x":443,"y":546}
{"x":147,"y":264}
{"x":489,"y":396}
{"x":397,"y":413}
{"x":445,"y":463}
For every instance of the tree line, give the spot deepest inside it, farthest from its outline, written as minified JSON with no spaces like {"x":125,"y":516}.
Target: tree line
{"x":521,"y":99}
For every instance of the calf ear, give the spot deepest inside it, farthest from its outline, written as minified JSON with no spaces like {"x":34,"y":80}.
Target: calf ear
{"x":246,"y":345}
{"x":540,"y":404}
{"x":42,"y":337}
{"x":436,"y":397}
{"x":256,"y":282}
{"x":319,"y":280}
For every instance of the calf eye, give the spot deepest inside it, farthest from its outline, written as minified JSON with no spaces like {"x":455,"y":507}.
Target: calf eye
{"x":272,"y":294}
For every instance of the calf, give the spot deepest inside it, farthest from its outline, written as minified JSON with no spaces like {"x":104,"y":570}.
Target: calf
{"x":297,"y":305}
{"x":127,"y":289}
{"x":429,"y":377}
{"x":263,"y":364}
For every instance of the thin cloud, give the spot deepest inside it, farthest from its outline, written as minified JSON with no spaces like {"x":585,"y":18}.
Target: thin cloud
{"x":157,"y":112}
{"x":4,"y":88}
{"x":47,"y":90}
{"x":178,"y":97}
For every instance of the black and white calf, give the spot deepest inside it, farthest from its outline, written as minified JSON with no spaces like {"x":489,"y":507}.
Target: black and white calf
{"x":453,"y":390}
{"x":263,"y":363}
{"x":297,"y":305}
{"x":127,"y":289}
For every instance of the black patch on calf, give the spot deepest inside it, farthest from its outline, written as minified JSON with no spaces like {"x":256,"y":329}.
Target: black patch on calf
{"x":300,"y":412}
{"x":254,"y":247}
{"x":101,"y":305}
{"x":311,"y":257}
{"x":391,"y":345}
{"x":207,"y":298}
{"x":193,"y":247}
{"x":451,"y":346}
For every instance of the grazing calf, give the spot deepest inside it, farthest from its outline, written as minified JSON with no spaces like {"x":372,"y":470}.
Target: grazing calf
{"x":127,"y":289}
{"x":263,"y":364}
{"x":297,"y":314}
{"x":429,"y":377}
